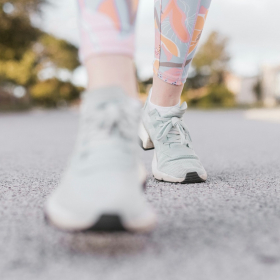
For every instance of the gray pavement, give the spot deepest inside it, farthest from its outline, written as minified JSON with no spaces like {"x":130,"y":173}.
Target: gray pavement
{"x":225,"y":229}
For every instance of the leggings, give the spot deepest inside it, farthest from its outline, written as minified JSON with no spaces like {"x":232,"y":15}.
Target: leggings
{"x":107,"y":27}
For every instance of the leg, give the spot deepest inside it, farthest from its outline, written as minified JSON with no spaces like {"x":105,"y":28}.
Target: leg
{"x":178,"y":27}
{"x":106,"y":71}
{"x":103,"y":184}
{"x":107,"y":43}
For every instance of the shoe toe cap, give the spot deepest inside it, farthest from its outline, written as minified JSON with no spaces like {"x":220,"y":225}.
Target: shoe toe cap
{"x":181,"y":167}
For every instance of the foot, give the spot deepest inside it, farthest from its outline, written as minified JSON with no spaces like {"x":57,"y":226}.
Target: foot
{"x":102,"y":187}
{"x":174,"y":157}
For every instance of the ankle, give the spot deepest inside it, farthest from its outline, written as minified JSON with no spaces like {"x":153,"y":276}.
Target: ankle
{"x":164,"y":94}
{"x":160,"y":109}
{"x":105,"y":71}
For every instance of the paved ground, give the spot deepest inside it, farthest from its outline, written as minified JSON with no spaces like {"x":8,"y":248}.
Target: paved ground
{"x":225,"y":229}
{"x":272,"y":115}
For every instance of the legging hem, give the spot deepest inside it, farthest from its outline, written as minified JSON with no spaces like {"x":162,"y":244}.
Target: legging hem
{"x":170,"y":79}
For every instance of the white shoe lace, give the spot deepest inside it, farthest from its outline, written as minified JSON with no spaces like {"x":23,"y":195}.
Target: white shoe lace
{"x":174,"y":130}
{"x":100,"y":123}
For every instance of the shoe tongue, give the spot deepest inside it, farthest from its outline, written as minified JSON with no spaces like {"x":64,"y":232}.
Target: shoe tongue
{"x":176,"y":111}
{"x":112,"y":108}
{"x":104,"y":94}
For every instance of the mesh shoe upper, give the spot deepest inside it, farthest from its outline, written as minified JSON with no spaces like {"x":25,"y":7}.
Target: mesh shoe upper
{"x":172,"y":141}
{"x":103,"y":174}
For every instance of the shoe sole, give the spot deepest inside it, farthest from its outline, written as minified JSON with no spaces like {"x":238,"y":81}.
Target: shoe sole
{"x":108,"y":223}
{"x":144,"y":139}
{"x":191,"y":177}
{"x":147,"y":144}
{"x":59,"y":217}
{"x":104,"y":223}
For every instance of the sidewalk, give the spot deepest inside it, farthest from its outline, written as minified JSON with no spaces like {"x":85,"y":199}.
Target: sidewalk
{"x":225,"y":229}
{"x":272,"y":115}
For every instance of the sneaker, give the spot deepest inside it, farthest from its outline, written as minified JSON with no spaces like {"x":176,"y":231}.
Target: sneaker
{"x":102,"y":187}
{"x":174,"y":157}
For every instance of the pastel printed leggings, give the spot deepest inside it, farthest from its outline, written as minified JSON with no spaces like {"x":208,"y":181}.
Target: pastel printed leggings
{"x":107,"y":26}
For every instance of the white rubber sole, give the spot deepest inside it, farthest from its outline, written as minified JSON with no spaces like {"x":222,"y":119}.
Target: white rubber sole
{"x":147,"y":144}
{"x":193,"y":178}
{"x":68,"y":220}
{"x":64,"y":220}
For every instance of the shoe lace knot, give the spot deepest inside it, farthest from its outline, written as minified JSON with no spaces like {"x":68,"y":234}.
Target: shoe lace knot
{"x":173,"y":130}
{"x":109,"y":118}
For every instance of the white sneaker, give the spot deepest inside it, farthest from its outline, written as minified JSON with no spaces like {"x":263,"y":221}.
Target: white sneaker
{"x":102,"y":186}
{"x":174,"y":159}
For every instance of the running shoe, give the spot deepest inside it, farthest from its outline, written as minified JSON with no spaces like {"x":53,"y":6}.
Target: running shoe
{"x":102,"y":187}
{"x":174,"y":158}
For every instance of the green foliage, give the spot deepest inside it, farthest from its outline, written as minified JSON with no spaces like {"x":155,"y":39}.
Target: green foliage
{"x":215,"y":96}
{"x":16,"y":31}
{"x":57,"y":52}
{"x":51,"y":92}
{"x":26,"y":50}
{"x":18,"y":71}
{"x":212,"y":58}
{"x":143,"y":86}
{"x":206,"y":88}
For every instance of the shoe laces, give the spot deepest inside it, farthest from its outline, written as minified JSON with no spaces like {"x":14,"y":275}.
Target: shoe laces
{"x":108,"y":119}
{"x":174,"y":130}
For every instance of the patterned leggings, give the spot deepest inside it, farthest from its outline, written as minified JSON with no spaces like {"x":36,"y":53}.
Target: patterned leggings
{"x":107,"y":26}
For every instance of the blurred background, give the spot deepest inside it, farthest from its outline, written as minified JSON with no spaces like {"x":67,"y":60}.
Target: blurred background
{"x":237,"y":64}
{"x":227,"y":228}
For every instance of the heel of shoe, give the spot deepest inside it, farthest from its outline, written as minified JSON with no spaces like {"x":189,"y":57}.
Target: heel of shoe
{"x":145,"y":140}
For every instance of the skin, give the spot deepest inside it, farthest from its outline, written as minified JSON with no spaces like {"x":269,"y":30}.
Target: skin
{"x":112,"y":70}
{"x":118,"y":70}
{"x":164,"y":94}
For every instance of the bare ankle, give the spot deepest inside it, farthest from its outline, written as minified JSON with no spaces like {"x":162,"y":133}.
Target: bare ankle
{"x":164,"y":94}
{"x":112,"y":70}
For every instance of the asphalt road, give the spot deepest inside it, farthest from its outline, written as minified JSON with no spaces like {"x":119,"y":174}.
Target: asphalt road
{"x":225,"y":229}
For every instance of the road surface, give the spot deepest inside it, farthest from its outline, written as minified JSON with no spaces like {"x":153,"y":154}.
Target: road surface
{"x":225,"y":229}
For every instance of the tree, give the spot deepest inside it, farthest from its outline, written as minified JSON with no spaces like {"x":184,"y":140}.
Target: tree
{"x":258,"y":90}
{"x":51,"y":92}
{"x":206,"y":87}
{"x":16,"y":31}
{"x":26,"y":50}
{"x":212,"y":58}
{"x":216,"y":95}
